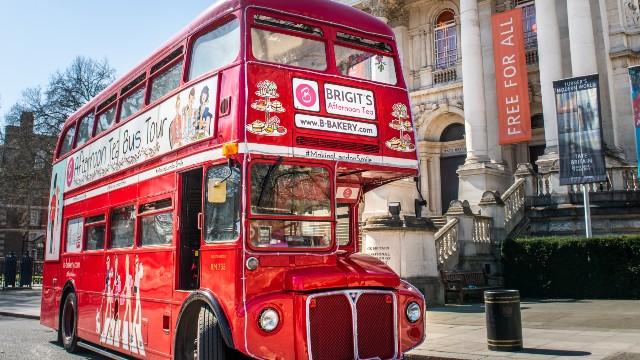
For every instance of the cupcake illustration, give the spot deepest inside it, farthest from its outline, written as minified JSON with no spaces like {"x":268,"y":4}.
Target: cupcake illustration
{"x":270,"y":126}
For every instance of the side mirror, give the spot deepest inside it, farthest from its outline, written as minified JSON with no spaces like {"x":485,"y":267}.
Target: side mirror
{"x":217,"y":191}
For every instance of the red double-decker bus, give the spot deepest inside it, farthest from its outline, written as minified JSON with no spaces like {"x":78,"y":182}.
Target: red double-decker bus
{"x":206,"y":204}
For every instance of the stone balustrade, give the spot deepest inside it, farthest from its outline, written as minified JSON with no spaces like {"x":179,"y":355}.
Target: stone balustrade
{"x":446,"y":240}
{"x":482,"y":229}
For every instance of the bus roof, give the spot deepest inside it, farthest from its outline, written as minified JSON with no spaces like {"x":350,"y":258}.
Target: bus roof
{"x":340,"y":14}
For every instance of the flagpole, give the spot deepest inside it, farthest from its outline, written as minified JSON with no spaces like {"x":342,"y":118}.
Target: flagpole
{"x":587,"y":210}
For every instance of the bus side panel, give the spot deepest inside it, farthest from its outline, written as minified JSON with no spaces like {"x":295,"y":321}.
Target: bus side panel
{"x":264,"y":127}
{"x":219,"y":273}
{"x":91,"y":301}
{"x":156,"y":272}
{"x":231,"y":126}
{"x":48,"y":305}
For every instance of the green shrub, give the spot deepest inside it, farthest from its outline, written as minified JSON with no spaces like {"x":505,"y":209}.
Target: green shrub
{"x":573,"y":267}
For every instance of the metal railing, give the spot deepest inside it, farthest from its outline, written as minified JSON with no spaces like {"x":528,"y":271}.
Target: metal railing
{"x":36,"y":278}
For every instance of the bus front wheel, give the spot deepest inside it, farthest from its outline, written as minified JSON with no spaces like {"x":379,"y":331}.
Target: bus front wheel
{"x":209,"y":344}
{"x":69,"y":323}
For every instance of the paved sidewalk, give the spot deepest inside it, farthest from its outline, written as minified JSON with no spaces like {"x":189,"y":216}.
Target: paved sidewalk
{"x":552,"y":329}
{"x":21,"y":302}
{"x":561,"y":329}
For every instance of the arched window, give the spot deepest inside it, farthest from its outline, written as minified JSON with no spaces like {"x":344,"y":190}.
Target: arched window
{"x":452,"y":132}
{"x":445,"y":45}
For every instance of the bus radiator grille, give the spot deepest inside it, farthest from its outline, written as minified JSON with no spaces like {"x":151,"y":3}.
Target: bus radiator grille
{"x":375,"y":326}
{"x":333,"y":316}
{"x":331,"y":328}
{"x":336,"y":144}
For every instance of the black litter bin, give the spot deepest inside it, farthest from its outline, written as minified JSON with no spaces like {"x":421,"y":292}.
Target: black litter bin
{"x":26,"y":270}
{"x":10,"y":264}
{"x":504,"y":327}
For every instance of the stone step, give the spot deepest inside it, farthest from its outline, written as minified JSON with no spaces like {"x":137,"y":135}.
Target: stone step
{"x":438,"y":221}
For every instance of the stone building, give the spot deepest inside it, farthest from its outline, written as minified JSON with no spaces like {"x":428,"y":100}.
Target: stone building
{"x":25,"y":169}
{"x":478,"y":192}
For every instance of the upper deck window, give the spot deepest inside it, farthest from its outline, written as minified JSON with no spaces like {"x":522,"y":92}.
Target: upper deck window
{"x":84,"y":130}
{"x":132,"y":104}
{"x":289,"y":25}
{"x":215,"y":49}
{"x":134,"y":101}
{"x":366,"y":65}
{"x":165,"y":82}
{"x":67,"y":141}
{"x":289,"y":50}
{"x":105,"y":119}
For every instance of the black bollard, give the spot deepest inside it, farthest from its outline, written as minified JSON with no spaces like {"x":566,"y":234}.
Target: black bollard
{"x":504,"y":327}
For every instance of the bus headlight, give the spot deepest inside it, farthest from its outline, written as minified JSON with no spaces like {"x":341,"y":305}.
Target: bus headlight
{"x":269,"y":319}
{"x":413,"y":312}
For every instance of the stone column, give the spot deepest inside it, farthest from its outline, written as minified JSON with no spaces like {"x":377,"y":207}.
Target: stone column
{"x":581,"y":39}
{"x":473,"y":83}
{"x":429,"y":45}
{"x":423,"y":49}
{"x":479,"y":173}
{"x":550,"y":64}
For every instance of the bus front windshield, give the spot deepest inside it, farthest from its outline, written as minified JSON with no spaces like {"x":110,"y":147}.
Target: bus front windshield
{"x":290,"y":206}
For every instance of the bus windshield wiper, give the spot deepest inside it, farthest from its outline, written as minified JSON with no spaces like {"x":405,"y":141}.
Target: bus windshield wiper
{"x":266,"y":178}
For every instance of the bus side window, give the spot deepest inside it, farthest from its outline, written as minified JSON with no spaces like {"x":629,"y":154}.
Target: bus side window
{"x":67,"y":141}
{"x":105,"y":119}
{"x":122,"y":227}
{"x":165,"y":82}
{"x":215,"y":49}
{"x":132,"y":103}
{"x":95,"y":229}
{"x":84,"y":130}
{"x":156,"y":223}
{"x":74,"y":235}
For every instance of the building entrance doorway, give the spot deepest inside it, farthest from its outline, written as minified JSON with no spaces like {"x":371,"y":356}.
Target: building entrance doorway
{"x":449,"y":179}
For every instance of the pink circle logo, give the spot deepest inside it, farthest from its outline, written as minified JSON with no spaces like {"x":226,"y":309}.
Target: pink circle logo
{"x":306,"y":95}
{"x":70,"y":171}
{"x":347,"y":193}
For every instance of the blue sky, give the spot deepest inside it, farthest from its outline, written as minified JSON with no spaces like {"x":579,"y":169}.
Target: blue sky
{"x":39,"y":37}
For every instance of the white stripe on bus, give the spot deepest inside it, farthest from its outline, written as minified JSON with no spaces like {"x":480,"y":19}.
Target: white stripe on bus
{"x":254,"y":148}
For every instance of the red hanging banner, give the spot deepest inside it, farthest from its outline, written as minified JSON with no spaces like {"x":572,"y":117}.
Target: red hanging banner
{"x":512,"y":88}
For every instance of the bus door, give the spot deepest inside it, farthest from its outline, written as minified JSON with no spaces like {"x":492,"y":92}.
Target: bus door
{"x":190,"y":229}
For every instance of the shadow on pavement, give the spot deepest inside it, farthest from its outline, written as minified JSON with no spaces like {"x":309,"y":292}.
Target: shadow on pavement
{"x":84,"y":354}
{"x":554,"y":352}
{"x":463,"y":309}
{"x":550,"y":301}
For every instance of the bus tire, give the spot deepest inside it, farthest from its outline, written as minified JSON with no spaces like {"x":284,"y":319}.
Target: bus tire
{"x":69,"y":323}
{"x":209,"y":344}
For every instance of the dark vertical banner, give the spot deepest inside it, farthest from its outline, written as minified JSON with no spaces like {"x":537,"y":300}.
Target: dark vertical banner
{"x":579,"y":130}
{"x":634,"y":77}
